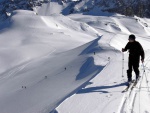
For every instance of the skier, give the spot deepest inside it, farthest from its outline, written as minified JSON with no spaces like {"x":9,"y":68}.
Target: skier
{"x":135,"y":51}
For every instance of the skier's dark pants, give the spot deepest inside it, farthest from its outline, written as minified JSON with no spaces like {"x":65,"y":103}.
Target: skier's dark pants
{"x":133,"y":64}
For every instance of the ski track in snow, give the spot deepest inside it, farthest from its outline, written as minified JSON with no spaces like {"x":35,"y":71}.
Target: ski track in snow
{"x":128,"y":102}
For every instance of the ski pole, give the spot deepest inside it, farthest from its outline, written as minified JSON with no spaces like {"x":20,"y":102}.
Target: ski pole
{"x":122,"y":64}
{"x":143,"y":67}
{"x":146,"y":78}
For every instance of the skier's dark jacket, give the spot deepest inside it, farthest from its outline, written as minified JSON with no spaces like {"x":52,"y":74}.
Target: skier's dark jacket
{"x":135,"y":50}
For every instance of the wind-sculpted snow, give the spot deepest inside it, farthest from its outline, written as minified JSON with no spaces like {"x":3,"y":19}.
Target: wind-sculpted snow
{"x":88,"y":68}
{"x":103,"y":93}
{"x":42,"y":64}
{"x":68,"y":64}
{"x":41,"y":92}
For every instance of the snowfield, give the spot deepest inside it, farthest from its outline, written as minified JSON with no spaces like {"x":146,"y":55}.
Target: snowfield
{"x":70,"y":64}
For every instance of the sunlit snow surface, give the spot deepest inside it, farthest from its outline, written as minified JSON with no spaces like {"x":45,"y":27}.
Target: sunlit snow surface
{"x":69,"y":64}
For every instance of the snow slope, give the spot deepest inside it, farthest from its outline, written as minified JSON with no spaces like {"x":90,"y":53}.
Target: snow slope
{"x":38,"y":50}
{"x":69,"y":64}
{"x":103,"y":94}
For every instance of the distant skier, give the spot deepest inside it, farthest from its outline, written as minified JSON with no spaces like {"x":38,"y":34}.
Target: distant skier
{"x":135,"y":51}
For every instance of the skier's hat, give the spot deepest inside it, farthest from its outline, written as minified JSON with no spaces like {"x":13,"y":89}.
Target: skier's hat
{"x":132,"y":37}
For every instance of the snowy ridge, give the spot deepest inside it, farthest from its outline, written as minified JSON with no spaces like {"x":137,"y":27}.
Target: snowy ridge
{"x":53,"y":78}
{"x":98,"y":97}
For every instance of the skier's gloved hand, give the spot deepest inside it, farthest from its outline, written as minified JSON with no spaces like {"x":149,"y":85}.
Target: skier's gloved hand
{"x":142,"y":60}
{"x":123,"y":50}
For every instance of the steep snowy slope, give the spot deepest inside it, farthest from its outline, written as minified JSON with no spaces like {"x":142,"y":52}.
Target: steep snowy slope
{"x":43,"y":61}
{"x":29,"y":36}
{"x":103,"y":94}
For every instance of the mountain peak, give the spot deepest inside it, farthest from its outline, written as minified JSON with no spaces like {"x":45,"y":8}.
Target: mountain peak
{"x":125,"y":7}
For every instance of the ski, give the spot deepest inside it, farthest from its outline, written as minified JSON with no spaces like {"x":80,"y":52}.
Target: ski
{"x":130,"y":85}
{"x":135,"y":83}
{"x":127,"y":88}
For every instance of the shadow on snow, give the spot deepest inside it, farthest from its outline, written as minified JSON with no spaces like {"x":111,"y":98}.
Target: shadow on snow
{"x":93,"y":47}
{"x":99,"y":88}
{"x":89,"y":69}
